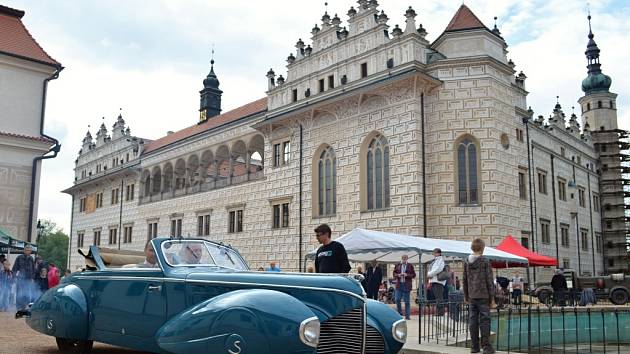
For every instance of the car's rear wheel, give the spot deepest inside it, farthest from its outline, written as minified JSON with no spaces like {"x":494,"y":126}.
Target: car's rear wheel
{"x":619,"y":297}
{"x":74,"y":346}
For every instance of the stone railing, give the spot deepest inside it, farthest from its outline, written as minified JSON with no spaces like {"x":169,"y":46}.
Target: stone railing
{"x":204,"y":186}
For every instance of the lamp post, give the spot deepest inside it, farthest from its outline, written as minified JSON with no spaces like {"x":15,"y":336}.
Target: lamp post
{"x":40,"y":230}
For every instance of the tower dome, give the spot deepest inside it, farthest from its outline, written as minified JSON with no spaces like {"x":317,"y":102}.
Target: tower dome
{"x":211,"y":80}
{"x":210,"y":102}
{"x":596,"y":81}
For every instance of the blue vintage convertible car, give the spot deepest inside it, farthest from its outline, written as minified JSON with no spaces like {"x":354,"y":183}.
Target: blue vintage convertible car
{"x":200,"y":297}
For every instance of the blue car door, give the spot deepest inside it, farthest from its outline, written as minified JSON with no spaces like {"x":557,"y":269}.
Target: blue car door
{"x":128,"y":304}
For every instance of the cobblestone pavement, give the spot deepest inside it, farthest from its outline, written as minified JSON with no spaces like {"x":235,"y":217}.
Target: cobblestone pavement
{"x":18,"y":338}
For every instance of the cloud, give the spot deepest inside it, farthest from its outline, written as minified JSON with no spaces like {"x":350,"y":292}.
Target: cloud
{"x":149,"y":58}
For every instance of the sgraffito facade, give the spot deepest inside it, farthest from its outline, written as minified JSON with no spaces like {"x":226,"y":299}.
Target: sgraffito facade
{"x":373,"y":127}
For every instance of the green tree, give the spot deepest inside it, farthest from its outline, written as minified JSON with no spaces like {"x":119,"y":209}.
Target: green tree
{"x":53,"y":244}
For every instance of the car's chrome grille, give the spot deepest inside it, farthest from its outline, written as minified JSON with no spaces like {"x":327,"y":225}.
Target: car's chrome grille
{"x":374,"y":343}
{"x":342,"y":334}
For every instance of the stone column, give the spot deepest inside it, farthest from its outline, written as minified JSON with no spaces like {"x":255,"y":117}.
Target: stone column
{"x":231,"y":161}
{"x":247,"y":162}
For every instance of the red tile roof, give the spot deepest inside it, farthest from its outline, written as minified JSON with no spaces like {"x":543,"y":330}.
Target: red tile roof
{"x":16,"y":40}
{"x":464,"y":19}
{"x":36,"y":138}
{"x":213,"y":122}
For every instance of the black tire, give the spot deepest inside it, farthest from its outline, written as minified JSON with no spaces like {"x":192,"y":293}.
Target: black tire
{"x":619,"y":297}
{"x":544,"y":296}
{"x":74,"y":346}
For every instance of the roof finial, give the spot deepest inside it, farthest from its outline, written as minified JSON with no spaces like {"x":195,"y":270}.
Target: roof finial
{"x":557,"y":99}
{"x":590,"y":31}
{"x":212,"y":58}
{"x":326,"y":6}
{"x":495,"y":30}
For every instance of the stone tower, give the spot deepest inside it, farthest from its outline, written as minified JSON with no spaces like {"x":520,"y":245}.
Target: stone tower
{"x":599,"y":113}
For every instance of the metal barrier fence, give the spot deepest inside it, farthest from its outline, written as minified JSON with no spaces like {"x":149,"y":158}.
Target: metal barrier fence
{"x":532,"y":328}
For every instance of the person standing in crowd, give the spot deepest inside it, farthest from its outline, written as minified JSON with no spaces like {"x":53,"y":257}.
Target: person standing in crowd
{"x":6,"y":285}
{"x":41,"y":282}
{"x":404,"y":274}
{"x":39,"y":263}
{"x":559,"y":285}
{"x":331,"y":257}
{"x":310,"y":269}
{"x":53,"y":276}
{"x":517,"y":289}
{"x":450,"y":283}
{"x":437,"y":286}
{"x":273,"y":267}
{"x":66,"y":273}
{"x":374,"y":276}
{"x":24,"y":271}
{"x":502,"y":291}
{"x":364,"y":281}
{"x":478,"y":292}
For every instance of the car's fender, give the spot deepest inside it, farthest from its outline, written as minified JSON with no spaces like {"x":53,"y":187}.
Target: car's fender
{"x":61,"y":312}
{"x":242,"y":321}
{"x":381,"y":317}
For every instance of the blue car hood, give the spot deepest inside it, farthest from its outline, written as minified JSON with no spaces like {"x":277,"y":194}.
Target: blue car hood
{"x":282,"y":280}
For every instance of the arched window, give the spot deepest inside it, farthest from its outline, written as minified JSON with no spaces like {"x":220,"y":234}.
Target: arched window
{"x":147,"y":184}
{"x":326,"y":181}
{"x":467,"y":171}
{"x":377,"y":173}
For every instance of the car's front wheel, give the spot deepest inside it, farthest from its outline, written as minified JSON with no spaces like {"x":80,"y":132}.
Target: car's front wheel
{"x":619,"y":297}
{"x":74,"y":346}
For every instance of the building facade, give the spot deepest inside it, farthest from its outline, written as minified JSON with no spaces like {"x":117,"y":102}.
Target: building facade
{"x":373,"y":127}
{"x":25,"y":70}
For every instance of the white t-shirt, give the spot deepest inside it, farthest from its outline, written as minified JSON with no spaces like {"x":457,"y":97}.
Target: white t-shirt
{"x":517,"y":283}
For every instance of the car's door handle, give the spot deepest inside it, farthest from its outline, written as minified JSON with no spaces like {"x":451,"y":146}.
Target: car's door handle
{"x":155,"y":288}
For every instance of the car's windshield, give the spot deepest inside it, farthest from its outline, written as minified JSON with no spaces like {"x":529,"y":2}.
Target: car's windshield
{"x":201,"y":253}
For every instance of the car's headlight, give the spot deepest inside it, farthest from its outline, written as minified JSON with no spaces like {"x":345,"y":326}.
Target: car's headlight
{"x":309,"y":331}
{"x":399,"y":330}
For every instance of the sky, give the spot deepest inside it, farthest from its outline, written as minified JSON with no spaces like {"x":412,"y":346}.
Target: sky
{"x":147,"y":59}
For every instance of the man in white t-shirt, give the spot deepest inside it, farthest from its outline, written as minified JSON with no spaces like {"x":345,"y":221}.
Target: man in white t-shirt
{"x":437,"y":286}
{"x":517,"y":289}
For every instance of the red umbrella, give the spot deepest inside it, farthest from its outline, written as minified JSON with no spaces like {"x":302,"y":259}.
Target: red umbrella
{"x":510,"y":245}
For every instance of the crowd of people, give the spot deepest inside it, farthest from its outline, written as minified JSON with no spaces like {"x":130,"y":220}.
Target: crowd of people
{"x":25,"y":280}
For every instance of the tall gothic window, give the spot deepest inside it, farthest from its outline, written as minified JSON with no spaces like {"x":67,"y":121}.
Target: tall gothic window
{"x":326,"y":182}
{"x":467,"y":171}
{"x":377,"y":173}
{"x":147,"y":185}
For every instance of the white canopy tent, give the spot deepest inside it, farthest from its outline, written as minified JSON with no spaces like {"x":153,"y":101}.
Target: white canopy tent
{"x":367,"y":245}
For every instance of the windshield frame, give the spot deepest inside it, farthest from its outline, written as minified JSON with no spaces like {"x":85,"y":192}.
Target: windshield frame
{"x":231,"y":252}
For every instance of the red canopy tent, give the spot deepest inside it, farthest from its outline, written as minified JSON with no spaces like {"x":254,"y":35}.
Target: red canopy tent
{"x":510,"y":245}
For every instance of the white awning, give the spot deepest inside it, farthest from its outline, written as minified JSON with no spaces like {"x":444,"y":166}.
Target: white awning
{"x":367,"y":245}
